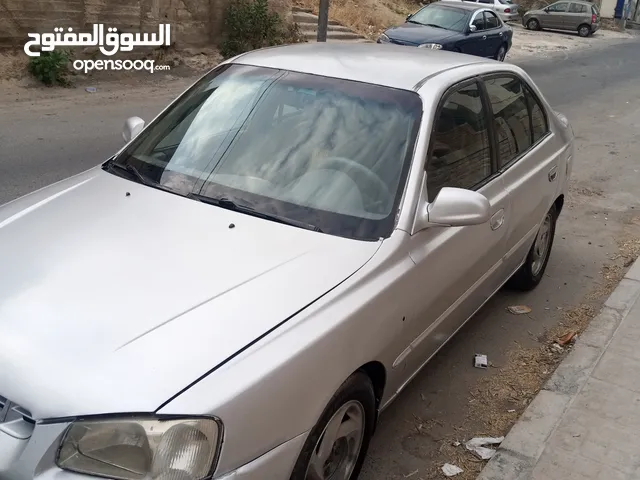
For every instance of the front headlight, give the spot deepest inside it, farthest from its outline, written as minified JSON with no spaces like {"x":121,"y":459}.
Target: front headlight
{"x":432,"y":46}
{"x":139,"y":448}
{"x":383,"y":39}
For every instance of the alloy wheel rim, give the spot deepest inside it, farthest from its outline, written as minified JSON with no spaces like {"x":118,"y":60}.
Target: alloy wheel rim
{"x":336,"y":453}
{"x":541,"y":246}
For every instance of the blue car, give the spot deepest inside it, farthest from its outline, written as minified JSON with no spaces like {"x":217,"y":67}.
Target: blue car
{"x":455,"y":26}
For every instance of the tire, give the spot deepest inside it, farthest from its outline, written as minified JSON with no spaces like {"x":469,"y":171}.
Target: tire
{"x":531,"y":272}
{"x":533,"y":24}
{"x":355,"y":398}
{"x":501,"y":53}
{"x":584,"y":30}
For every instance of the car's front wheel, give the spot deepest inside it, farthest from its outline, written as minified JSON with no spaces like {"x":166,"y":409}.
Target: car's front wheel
{"x":336,"y":447}
{"x":533,"y":24}
{"x":529,"y":275}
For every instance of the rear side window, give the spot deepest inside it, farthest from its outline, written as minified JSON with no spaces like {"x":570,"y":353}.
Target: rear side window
{"x":594,"y":10}
{"x":577,"y":8}
{"x":558,"y":7}
{"x":510,"y":117}
{"x":518,"y":118}
{"x":491,"y":20}
{"x":539,"y":125}
{"x":460,"y":155}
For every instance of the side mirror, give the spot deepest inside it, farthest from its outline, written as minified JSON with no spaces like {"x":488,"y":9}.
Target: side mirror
{"x":457,"y":207}
{"x":132,"y":127}
{"x":408,"y":17}
{"x":545,"y":9}
{"x":472,"y":28}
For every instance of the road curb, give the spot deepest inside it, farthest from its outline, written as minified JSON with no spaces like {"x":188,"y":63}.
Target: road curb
{"x":519,"y":452}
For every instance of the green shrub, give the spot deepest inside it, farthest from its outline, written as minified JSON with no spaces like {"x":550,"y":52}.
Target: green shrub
{"x":249,"y":24}
{"x":51,"y":67}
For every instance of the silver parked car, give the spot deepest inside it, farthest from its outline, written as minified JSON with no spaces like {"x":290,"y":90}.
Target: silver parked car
{"x":579,"y":16}
{"x":239,"y":291}
{"x":506,"y":9}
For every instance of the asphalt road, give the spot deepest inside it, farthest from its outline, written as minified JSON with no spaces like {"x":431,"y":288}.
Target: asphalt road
{"x":47,"y":138}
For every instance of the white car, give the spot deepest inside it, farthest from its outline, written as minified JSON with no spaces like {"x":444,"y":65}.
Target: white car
{"x":505,"y":9}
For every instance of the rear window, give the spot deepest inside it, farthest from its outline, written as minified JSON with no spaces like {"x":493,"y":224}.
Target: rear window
{"x":595,"y":11}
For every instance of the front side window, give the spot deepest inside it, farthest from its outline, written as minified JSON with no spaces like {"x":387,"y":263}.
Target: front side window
{"x":558,"y":7}
{"x":460,"y":155}
{"x":478,"y":22}
{"x":315,"y":150}
{"x":491,"y":20}
{"x":577,"y":8}
{"x":449,"y":18}
{"x":510,"y":117}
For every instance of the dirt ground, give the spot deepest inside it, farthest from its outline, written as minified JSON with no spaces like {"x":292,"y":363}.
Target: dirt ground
{"x":543,"y":44}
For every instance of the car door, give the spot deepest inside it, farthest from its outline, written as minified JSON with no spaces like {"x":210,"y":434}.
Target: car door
{"x":474,"y":42}
{"x":493,"y":33}
{"x":526,"y":159}
{"x":554,"y":16}
{"x":577,"y":14}
{"x":456,"y":268}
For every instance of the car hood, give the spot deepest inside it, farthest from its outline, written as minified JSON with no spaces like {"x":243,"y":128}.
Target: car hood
{"x":411,"y":33}
{"x":115,"y":296}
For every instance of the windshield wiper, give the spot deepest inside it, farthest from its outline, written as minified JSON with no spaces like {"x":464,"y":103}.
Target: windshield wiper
{"x":413,"y":21}
{"x":127,"y":167}
{"x":228,"y":204}
{"x":433,"y":25}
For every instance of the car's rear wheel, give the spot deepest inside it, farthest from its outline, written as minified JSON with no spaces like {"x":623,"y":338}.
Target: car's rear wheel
{"x":584,"y":30}
{"x":529,"y":275}
{"x":336,"y":447}
{"x":533,"y":24}
{"x":501,"y":53}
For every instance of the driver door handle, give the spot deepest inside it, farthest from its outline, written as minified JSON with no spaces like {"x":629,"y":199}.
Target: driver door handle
{"x":497,"y":219}
{"x":484,"y":37}
{"x":500,"y":33}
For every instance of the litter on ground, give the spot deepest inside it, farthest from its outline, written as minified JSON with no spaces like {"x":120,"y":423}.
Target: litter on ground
{"x":519,"y":309}
{"x":480,"y":361}
{"x":450,"y":470}
{"x":477,"y":446}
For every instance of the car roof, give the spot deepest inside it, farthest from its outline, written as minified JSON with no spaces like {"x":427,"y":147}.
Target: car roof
{"x":381,"y":64}
{"x":471,"y":6}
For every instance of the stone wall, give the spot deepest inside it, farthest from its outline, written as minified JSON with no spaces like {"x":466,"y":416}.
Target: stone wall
{"x":193,"y":22}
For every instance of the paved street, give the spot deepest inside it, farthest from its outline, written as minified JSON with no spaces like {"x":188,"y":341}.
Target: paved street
{"x":49,"y":139}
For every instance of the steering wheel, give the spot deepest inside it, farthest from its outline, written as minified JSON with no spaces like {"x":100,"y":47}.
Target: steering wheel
{"x":347,"y":165}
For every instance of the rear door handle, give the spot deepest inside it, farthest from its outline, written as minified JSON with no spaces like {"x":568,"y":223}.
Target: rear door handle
{"x":500,"y":33}
{"x":497,"y":219}
{"x":484,"y":37}
{"x":553,"y":173}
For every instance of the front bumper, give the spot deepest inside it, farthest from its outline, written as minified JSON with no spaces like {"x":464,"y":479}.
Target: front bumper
{"x":31,"y":460}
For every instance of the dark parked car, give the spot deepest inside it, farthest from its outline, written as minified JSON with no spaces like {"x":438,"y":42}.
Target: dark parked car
{"x":456,"y":26}
{"x":579,"y":16}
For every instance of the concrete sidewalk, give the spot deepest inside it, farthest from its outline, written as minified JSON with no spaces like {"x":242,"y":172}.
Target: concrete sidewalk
{"x":585,"y":423}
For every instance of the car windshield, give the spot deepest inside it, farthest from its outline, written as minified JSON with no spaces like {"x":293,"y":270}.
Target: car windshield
{"x":315,"y":150}
{"x":442,"y":17}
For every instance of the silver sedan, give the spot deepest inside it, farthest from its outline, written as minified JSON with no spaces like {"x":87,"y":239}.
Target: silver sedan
{"x":240,"y":290}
